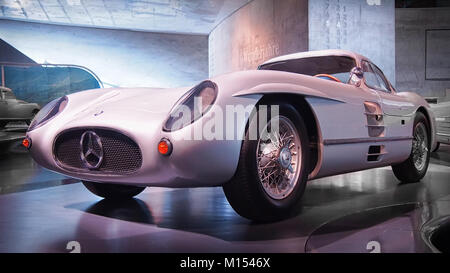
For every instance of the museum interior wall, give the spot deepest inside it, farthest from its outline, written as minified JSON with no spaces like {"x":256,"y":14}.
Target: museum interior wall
{"x":360,"y":26}
{"x":413,"y":51}
{"x":257,"y":32}
{"x":423,"y":51}
{"x":118,"y":57}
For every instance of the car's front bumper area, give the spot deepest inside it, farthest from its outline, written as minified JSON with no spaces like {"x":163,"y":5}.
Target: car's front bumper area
{"x":192,"y":163}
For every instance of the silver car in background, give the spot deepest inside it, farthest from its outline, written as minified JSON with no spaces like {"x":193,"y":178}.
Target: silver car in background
{"x":442,"y":113}
{"x":12,"y":109}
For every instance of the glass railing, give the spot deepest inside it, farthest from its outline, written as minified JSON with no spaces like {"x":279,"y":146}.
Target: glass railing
{"x":41,"y":83}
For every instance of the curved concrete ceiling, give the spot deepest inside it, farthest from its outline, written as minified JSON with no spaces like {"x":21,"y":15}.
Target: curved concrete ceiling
{"x":177,"y":16}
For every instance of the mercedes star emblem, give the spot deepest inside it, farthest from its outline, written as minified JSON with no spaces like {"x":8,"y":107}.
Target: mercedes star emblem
{"x":91,"y":150}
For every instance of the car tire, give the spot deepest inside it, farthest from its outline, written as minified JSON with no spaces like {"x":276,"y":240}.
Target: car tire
{"x":415,"y":167}
{"x":113,"y":191}
{"x":437,"y":147}
{"x":252,"y":199}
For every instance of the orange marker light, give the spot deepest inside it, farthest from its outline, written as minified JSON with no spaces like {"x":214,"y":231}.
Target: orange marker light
{"x":26,"y":142}
{"x":164,"y":147}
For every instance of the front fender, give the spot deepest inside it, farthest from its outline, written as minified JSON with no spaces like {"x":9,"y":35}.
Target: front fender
{"x":284,"y":88}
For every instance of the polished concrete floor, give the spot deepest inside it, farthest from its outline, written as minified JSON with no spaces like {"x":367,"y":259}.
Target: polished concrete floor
{"x":366,"y":211}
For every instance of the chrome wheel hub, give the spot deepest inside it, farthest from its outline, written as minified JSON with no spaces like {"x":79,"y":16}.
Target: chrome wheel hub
{"x":285,"y":158}
{"x":279,"y":158}
{"x":420,"y":146}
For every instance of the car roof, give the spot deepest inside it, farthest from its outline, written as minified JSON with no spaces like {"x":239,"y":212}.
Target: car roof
{"x":316,"y":53}
{"x":4,"y":88}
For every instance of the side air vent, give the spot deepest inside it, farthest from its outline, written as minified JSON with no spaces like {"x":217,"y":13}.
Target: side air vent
{"x":375,"y":123}
{"x":375,"y":152}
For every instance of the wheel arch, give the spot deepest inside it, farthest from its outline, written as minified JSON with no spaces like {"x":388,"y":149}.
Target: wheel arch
{"x":430,"y":119}
{"x":312,"y":125}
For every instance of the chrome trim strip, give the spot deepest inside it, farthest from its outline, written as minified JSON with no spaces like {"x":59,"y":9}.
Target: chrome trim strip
{"x":378,"y":154}
{"x":363,"y":140}
{"x":373,"y":114}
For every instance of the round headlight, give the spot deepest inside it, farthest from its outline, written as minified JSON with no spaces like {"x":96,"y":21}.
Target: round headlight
{"x":49,"y":111}
{"x":193,"y":105}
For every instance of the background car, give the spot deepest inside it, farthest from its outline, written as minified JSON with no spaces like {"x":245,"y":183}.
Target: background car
{"x":12,"y":109}
{"x":442,"y":113}
{"x":337,"y":113}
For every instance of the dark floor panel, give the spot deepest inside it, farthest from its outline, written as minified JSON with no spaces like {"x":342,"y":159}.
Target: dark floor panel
{"x":395,"y":228}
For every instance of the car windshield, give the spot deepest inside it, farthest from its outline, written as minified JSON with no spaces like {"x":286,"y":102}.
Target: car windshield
{"x":8,"y":95}
{"x":336,"y":66}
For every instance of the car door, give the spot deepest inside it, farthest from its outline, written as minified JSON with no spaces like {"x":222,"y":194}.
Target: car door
{"x":392,"y":104}
{"x":396,"y":110}
{"x":373,"y":108}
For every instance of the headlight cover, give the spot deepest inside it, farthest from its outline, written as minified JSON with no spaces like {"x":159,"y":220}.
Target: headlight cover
{"x":193,"y":105}
{"x":49,"y":111}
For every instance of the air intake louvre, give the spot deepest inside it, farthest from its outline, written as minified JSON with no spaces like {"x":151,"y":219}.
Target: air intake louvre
{"x":375,"y":152}
{"x":375,"y":124}
{"x":121,"y":154}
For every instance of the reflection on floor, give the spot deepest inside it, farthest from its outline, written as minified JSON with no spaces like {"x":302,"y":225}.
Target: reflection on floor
{"x":18,"y":171}
{"x":358,"y":212}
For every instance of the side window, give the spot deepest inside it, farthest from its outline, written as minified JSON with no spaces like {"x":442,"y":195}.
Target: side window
{"x":370,"y":77}
{"x":381,"y":79}
{"x":9,"y":95}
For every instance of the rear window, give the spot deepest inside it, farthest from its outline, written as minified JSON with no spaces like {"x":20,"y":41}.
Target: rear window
{"x":337,"y":66}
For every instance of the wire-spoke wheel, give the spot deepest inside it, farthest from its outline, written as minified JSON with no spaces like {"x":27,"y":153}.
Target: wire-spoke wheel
{"x":415,"y":167}
{"x":272,"y":170}
{"x":420,"y":146}
{"x":278,"y":158}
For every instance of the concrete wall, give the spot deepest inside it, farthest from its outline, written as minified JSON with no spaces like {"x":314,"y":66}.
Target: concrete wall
{"x":423,"y":51}
{"x":258,"y":31}
{"x":118,"y":57}
{"x":363,"y":26}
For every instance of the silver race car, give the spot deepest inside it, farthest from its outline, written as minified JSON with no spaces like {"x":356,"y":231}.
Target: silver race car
{"x":442,"y":113}
{"x":12,"y":109}
{"x":259,"y":134}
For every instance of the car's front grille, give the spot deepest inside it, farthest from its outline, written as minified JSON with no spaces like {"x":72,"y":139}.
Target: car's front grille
{"x":121,"y":154}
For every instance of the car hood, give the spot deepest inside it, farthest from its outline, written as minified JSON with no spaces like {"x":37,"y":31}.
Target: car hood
{"x":152,"y":100}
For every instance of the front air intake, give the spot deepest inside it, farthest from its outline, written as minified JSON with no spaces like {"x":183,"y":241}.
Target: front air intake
{"x":119,"y":153}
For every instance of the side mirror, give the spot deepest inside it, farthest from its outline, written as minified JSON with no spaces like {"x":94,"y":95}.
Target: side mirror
{"x":356,"y":76}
